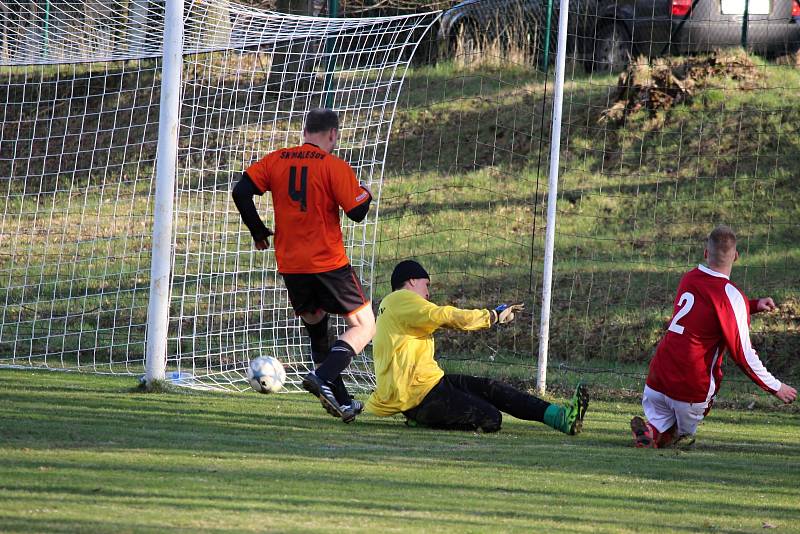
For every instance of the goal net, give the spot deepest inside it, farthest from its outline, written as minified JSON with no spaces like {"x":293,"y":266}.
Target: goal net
{"x":657,"y":147}
{"x":655,"y":152}
{"x":466,"y":174}
{"x":80,"y":103}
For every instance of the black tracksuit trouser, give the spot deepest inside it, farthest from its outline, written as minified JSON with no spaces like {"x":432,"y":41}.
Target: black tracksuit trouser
{"x":460,"y":402}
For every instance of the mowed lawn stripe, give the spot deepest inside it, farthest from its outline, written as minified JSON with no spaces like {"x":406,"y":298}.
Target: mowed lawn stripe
{"x":86,"y":453}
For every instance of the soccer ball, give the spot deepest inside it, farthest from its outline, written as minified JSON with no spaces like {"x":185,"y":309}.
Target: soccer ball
{"x":266,"y":374}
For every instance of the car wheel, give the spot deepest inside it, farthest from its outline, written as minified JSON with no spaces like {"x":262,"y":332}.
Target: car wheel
{"x":612,"y":49}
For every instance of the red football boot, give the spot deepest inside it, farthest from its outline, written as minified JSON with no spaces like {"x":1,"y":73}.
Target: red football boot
{"x":642,"y":433}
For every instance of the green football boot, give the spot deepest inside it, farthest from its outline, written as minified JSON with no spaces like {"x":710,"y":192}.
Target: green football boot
{"x":569,"y":418}
{"x":575,"y":410}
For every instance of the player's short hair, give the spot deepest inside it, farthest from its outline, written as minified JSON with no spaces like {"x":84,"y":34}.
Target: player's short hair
{"x":721,"y":244}
{"x":321,"y":120}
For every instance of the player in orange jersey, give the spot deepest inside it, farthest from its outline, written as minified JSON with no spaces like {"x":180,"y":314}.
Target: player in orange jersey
{"x":308,"y":186}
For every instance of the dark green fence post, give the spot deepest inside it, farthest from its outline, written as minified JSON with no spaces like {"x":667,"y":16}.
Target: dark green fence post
{"x":46,"y":27}
{"x":745,"y":22}
{"x":333,"y":12}
{"x":546,"y":63}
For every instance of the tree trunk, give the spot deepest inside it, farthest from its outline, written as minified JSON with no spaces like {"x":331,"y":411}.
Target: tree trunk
{"x":99,"y":18}
{"x":137,"y":17}
{"x":208,"y":25}
{"x":5,"y":37}
{"x":292,"y":66}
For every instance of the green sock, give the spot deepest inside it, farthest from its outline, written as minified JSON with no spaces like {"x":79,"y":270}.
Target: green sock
{"x":554,"y":417}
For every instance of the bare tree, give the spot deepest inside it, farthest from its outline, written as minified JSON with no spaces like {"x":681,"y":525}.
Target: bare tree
{"x":293,"y":60}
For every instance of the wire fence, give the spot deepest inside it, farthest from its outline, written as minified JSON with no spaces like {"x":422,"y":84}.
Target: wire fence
{"x":670,"y":127}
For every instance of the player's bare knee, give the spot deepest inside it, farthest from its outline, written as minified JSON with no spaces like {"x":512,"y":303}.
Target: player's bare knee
{"x":358,"y":338}
{"x":361,"y":327}
{"x":369,"y":324}
{"x":364,"y":317}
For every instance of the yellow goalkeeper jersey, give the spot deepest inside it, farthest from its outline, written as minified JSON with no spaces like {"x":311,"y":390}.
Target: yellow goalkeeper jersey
{"x":403,"y":347}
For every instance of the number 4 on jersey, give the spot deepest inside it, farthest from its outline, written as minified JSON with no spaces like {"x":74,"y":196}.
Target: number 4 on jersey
{"x":685,"y":304}
{"x":298,"y":195}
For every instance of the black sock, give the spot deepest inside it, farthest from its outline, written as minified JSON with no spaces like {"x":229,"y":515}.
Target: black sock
{"x":339,"y":357}
{"x":319,"y":339}
{"x":319,"y":353}
{"x":337,"y":385}
{"x":340,"y":391}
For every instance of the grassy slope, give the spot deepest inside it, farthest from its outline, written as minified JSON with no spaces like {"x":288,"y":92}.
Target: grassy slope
{"x":464,"y":192}
{"x":467,"y":180}
{"x":83,"y":453}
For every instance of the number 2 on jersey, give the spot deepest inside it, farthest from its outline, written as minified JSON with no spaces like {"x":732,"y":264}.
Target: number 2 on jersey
{"x":685,"y":304}
{"x":298,"y":195}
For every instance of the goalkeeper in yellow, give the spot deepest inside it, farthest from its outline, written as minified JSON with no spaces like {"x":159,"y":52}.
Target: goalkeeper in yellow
{"x":409,"y":380}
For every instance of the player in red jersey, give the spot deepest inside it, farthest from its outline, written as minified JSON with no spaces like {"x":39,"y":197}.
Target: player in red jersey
{"x":710,"y":315}
{"x":308,"y":186}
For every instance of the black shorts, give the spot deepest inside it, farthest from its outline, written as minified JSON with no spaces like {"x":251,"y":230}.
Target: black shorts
{"x":338,"y":291}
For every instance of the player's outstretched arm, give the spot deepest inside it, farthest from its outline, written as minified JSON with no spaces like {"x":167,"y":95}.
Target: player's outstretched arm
{"x":243,"y":194}
{"x":424,"y":317}
{"x":734,"y":320}
{"x":467,"y":320}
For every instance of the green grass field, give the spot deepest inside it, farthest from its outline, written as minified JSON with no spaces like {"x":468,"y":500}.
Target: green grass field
{"x":463,"y":190}
{"x":82,"y":453}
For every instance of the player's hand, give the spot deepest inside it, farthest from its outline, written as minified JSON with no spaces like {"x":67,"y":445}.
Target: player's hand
{"x":766,"y":304}
{"x":263,"y":243}
{"x":504,"y":313}
{"x":786,"y":393}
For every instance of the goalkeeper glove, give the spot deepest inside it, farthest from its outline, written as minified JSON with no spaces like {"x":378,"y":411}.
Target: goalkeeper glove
{"x":504,"y":314}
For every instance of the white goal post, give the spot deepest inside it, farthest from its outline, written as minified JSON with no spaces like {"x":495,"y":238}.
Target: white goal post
{"x":86,"y":85}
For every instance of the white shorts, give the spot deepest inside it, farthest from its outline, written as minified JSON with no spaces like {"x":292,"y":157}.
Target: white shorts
{"x":663,"y":412}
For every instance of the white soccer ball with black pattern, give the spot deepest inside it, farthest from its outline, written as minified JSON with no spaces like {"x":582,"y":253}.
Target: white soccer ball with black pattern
{"x":266,"y":374}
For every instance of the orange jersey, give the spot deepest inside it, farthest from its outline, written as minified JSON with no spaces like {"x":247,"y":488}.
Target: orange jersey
{"x":308,"y":186}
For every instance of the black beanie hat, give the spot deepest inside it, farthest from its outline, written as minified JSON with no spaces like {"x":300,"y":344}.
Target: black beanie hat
{"x":407,"y":270}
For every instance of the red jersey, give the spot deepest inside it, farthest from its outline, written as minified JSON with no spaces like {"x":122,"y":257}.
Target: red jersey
{"x":308,"y":186}
{"x":710,"y":316}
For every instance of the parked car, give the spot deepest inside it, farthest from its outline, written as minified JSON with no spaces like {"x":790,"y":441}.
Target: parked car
{"x":658,"y":27}
{"x":474,"y":22}
{"x":608,"y":32}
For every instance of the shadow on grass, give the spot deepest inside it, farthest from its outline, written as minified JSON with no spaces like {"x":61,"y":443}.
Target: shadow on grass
{"x":74,"y":441}
{"x":290,"y":424}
